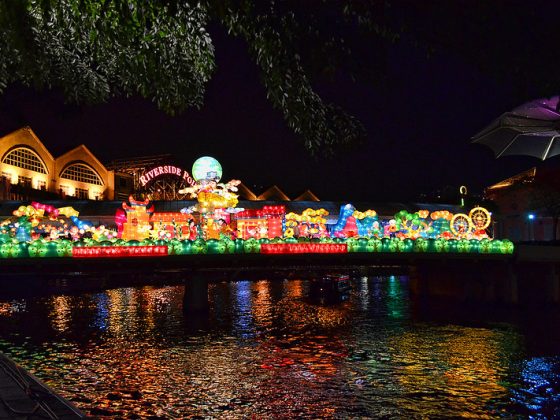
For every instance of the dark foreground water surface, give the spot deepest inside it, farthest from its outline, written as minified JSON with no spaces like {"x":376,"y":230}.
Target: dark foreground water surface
{"x":264,"y":350}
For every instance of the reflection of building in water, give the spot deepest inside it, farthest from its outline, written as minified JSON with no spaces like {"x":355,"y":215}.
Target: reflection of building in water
{"x":461,"y":359}
{"x":9,"y":308}
{"x":241,"y":293}
{"x":262,"y":305}
{"x":293,"y":288}
{"x":60,"y":314}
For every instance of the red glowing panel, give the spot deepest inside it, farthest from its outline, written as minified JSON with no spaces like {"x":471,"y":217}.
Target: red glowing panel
{"x":304,"y":248}
{"x":119,"y":251}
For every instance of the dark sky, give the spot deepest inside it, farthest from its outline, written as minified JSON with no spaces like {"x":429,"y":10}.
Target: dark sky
{"x":419,"y":120}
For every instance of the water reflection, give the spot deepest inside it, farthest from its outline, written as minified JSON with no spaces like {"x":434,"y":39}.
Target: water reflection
{"x":264,"y":350}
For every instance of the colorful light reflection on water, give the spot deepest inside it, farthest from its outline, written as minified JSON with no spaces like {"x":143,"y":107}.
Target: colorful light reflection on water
{"x":264,"y":350}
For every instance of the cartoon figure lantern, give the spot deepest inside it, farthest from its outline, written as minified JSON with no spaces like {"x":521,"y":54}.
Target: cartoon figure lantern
{"x":137,"y":226}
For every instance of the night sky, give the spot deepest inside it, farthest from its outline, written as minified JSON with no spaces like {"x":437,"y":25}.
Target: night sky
{"x":419,"y":121}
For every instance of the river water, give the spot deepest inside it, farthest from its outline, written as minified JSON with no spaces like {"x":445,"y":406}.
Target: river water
{"x":264,"y":350}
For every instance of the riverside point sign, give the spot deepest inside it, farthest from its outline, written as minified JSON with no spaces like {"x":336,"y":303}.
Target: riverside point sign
{"x":166,"y":170}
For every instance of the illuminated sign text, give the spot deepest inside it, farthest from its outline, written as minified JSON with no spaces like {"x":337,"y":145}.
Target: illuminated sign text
{"x":165,"y":170}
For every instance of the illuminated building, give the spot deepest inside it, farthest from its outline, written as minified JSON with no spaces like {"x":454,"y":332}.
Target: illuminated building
{"x":30,"y":170}
{"x":519,"y":216}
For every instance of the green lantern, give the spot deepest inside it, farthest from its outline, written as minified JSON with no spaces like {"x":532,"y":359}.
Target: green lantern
{"x":174,"y":247}
{"x":199,"y":246}
{"x":390,"y":244}
{"x":19,"y":250}
{"x":215,"y":246}
{"x":48,"y":250}
{"x":187,"y":247}
{"x":405,"y":245}
{"x":252,"y":246}
{"x":361,"y":245}
{"x":230,"y":245}
{"x":451,"y":246}
{"x":421,"y":245}
{"x":496,"y":246}
{"x":485,"y":246}
{"x":63,"y":248}
{"x":374,"y":245}
{"x":507,"y":246}
{"x":4,"y":237}
{"x":290,"y":240}
{"x":439,"y":245}
{"x":474,"y":246}
{"x":239,"y":246}
{"x":33,"y":248}
{"x":352,"y":244}
{"x":5,"y":250}
{"x":463,"y":245}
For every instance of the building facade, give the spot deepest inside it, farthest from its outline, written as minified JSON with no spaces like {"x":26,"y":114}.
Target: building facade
{"x":29,"y":169}
{"x":519,"y":218}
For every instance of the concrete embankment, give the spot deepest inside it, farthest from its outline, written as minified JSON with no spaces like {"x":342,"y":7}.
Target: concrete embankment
{"x":23,"y":396}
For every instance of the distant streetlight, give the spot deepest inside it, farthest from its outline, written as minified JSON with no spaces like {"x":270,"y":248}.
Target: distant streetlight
{"x":531,"y":217}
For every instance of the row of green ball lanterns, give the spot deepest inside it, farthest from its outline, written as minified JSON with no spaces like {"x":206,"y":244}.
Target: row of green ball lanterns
{"x":63,"y":248}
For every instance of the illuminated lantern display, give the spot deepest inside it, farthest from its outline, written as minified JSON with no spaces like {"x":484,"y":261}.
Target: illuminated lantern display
{"x":215,"y":226}
{"x":367,"y":223}
{"x":137,"y":225}
{"x":119,"y":251}
{"x":346,"y":226}
{"x":207,"y":168}
{"x":172,"y":225}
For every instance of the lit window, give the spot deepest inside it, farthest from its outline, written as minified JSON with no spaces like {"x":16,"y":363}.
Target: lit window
{"x":81,"y":173}
{"x":24,"y":180}
{"x":82,"y":193}
{"x":7,"y":175}
{"x":25,"y":158}
{"x":65,"y":190}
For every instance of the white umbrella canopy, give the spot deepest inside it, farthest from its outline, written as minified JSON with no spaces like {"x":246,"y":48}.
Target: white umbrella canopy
{"x":532,"y":129}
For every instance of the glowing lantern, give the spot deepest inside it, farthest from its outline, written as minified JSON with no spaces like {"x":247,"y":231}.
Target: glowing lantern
{"x":199,"y":246}
{"x":463,"y":245}
{"x":175,"y":247}
{"x":187,"y":247}
{"x":405,"y":245}
{"x":450,"y":245}
{"x":215,"y":246}
{"x":239,"y":246}
{"x":33,"y":248}
{"x":421,"y":245}
{"x":485,"y":246}
{"x":497,"y":247}
{"x":474,"y":245}
{"x":5,"y":250}
{"x":207,"y":168}
{"x":507,"y":246}
{"x":63,"y":248}
{"x":374,"y":245}
{"x":361,"y":245}
{"x":390,"y":244}
{"x":251,"y":246}
{"x":19,"y":250}
{"x":439,"y":245}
